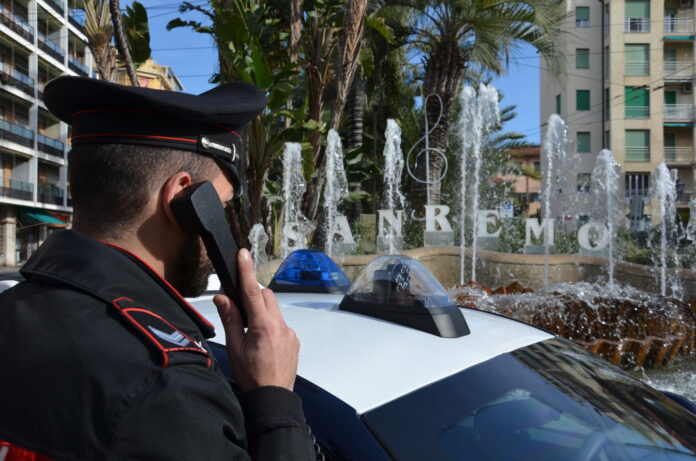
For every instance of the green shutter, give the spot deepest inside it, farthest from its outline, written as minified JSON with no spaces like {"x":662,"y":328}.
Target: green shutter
{"x":582,"y":100}
{"x":670,"y":11}
{"x":636,"y":96}
{"x":670,"y":55}
{"x":670,"y":97}
{"x":607,"y":139}
{"x":558,"y":104}
{"x":637,"y":8}
{"x":582,"y":13}
{"x":637,"y":59}
{"x":582,"y":58}
{"x":583,"y":142}
{"x":637,"y":138}
{"x":607,"y":104}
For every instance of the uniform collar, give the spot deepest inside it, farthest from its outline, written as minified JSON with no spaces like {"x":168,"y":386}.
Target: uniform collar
{"x":107,"y":272}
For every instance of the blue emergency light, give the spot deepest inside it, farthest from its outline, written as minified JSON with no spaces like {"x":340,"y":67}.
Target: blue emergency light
{"x":309,"y":271}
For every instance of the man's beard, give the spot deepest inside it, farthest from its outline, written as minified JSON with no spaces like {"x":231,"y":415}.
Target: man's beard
{"x":191,"y":268}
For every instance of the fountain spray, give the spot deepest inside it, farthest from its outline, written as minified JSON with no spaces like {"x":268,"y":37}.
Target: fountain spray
{"x":335,"y":186}
{"x":605,"y":189}
{"x":480,"y":114}
{"x":393,"y":168}
{"x":664,"y":190}
{"x":296,"y":226}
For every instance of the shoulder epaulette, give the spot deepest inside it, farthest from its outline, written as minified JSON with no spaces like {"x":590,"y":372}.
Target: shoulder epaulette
{"x":176,"y":347}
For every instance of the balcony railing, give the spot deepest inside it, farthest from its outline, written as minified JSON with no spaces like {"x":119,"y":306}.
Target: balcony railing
{"x":57,"y":5}
{"x":16,"y":189}
{"x":50,"y":145}
{"x":51,"y":193}
{"x":679,"y":26}
{"x":679,"y":112}
{"x":77,"y":18}
{"x":16,"y":23}
{"x":679,"y":69}
{"x":50,"y":47}
{"x":679,"y":154}
{"x":637,"y":111}
{"x":17,"y":134}
{"x":11,"y":76}
{"x":638,"y":154}
{"x":636,"y":25}
{"x":637,"y":192}
{"x":684,"y":197}
{"x":77,"y":65}
{"x":637,"y":67}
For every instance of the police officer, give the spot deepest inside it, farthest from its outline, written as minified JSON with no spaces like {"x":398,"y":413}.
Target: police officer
{"x":101,"y":355}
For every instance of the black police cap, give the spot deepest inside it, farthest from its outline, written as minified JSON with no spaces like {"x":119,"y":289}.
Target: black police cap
{"x":106,"y":113}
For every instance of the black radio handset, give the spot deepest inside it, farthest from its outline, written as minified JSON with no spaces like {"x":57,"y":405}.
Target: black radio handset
{"x":201,"y":212}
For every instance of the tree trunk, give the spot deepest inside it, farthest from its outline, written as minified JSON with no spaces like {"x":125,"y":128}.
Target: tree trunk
{"x":443,"y":76}
{"x":121,"y":41}
{"x":99,"y":31}
{"x":295,"y":35}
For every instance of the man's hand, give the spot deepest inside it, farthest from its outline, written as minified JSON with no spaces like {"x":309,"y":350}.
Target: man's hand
{"x":266,"y":354}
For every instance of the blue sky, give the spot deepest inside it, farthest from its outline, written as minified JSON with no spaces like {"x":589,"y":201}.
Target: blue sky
{"x":192,"y":57}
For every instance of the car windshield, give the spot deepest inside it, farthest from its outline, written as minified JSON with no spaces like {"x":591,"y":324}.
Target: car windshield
{"x":548,"y":401}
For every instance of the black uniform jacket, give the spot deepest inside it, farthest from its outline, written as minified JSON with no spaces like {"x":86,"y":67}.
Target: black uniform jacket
{"x":101,"y":359}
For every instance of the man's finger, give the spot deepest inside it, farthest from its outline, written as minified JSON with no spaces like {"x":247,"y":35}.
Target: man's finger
{"x":231,"y":320}
{"x":271,"y":302}
{"x":251,"y":293}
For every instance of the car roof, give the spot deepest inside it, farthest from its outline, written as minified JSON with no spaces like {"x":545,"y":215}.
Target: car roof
{"x":368,"y":362}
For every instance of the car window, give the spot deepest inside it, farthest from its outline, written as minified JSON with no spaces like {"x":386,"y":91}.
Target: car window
{"x":548,"y":401}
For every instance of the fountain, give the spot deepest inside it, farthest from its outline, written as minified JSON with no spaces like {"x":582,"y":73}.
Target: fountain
{"x":664,"y":190}
{"x":605,"y":190}
{"x":258,"y":239}
{"x":480,"y":113}
{"x":389,"y":238}
{"x":335,"y":188}
{"x":558,"y":163}
{"x":296,"y":227}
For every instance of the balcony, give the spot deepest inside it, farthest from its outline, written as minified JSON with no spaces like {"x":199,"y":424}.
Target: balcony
{"x":679,"y":26}
{"x":50,"y":47}
{"x":17,"y":134}
{"x":636,"y":25}
{"x":679,"y":70}
{"x":637,"y":111}
{"x":16,"y":189}
{"x":57,"y":5}
{"x":50,"y":146}
{"x":679,"y":112}
{"x":50,"y":193}
{"x":16,"y":23}
{"x":12,"y":77}
{"x":683,"y":198}
{"x":638,"y":154}
{"x":77,"y":18}
{"x":679,"y":154}
{"x":637,"y":67}
{"x":40,"y":90}
{"x":76,"y":65}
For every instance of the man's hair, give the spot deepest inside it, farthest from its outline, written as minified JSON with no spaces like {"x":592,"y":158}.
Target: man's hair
{"x":110,"y":184}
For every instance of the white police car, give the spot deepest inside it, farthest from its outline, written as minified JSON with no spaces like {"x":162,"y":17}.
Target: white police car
{"x":392,"y":370}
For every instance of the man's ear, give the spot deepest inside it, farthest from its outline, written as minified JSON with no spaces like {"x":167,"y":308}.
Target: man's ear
{"x":173,"y":188}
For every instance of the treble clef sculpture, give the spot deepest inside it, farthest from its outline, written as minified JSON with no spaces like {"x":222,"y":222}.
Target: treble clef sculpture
{"x":426,"y":152}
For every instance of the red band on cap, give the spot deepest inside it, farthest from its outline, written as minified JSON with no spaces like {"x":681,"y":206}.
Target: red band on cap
{"x":124,"y":135}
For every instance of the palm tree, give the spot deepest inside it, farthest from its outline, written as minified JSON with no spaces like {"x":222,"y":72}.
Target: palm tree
{"x":454,"y":37}
{"x":99,"y":31}
{"x":121,"y":40}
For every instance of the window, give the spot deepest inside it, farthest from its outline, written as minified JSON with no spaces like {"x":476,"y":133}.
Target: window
{"x":537,"y":167}
{"x":584,"y":181}
{"x":607,"y":140}
{"x":582,"y":16}
{"x":607,"y":104}
{"x":637,"y":59}
{"x":582,"y":100}
{"x":637,"y":184}
{"x":583,"y":142}
{"x":637,"y":145}
{"x":607,"y":60}
{"x":582,"y":58}
{"x":637,"y":16}
{"x":558,"y":104}
{"x":670,"y":143}
{"x":637,"y":102}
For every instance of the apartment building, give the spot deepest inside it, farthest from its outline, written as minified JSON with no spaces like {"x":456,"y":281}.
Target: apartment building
{"x":628,"y":86}
{"x":39,"y":40}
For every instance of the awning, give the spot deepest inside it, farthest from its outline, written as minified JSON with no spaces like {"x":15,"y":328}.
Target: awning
{"x":43,"y":218}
